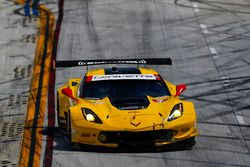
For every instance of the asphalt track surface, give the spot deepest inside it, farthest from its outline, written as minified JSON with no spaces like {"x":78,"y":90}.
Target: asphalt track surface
{"x":17,"y":43}
{"x":209,"y":43}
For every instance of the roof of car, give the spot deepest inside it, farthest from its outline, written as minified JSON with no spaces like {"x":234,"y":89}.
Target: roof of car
{"x":115,"y":70}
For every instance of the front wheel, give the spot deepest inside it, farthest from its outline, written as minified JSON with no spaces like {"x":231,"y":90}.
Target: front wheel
{"x":68,"y":125}
{"x":189,"y":143}
{"x":75,"y":146}
{"x":180,"y":145}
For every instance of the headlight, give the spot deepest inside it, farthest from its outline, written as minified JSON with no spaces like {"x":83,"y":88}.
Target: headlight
{"x":90,"y":116}
{"x":176,"y":112}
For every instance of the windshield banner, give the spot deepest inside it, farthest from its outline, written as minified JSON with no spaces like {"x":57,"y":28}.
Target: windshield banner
{"x":124,"y":77}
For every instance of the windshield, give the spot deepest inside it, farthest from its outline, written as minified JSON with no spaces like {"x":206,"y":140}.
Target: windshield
{"x":124,"y":89}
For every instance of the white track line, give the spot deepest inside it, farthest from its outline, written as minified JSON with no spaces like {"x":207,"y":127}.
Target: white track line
{"x":225,"y":81}
{"x":204,"y":28}
{"x":196,"y":7}
{"x":213,"y":50}
{"x":240,"y":119}
{"x":223,"y":77}
{"x":196,"y":10}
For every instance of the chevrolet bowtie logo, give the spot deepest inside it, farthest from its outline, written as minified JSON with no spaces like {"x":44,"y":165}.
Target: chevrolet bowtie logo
{"x":136,"y":124}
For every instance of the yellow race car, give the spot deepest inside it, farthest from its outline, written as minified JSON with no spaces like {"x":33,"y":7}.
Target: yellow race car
{"x":116,"y":107}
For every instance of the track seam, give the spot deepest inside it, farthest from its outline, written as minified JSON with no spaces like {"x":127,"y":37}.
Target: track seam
{"x":224,"y":87}
{"x":31,"y":140}
{"x":39,"y":92}
{"x":47,"y":162}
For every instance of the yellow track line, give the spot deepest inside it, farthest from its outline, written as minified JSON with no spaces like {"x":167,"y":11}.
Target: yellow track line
{"x":31,"y":108}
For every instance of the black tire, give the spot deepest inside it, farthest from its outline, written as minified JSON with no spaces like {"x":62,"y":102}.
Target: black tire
{"x":180,"y":145}
{"x":68,"y":128}
{"x":189,"y":143}
{"x":58,"y":110}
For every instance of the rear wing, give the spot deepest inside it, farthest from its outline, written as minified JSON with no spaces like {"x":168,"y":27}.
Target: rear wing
{"x":146,"y":61}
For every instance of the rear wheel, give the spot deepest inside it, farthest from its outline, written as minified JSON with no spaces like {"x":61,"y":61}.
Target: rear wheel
{"x":58,"y":110}
{"x":68,"y":129}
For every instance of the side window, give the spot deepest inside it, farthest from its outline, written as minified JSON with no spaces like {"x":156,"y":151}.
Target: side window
{"x":80,"y":92}
{"x":165,"y":83}
{"x":171,"y":87}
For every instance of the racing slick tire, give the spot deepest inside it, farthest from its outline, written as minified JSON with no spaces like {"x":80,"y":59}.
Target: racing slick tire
{"x":189,"y":143}
{"x":68,"y":127}
{"x":74,"y":146}
{"x":58,"y":111}
{"x":186,"y":144}
{"x":181,"y":145}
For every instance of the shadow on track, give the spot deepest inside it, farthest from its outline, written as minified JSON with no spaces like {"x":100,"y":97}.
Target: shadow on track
{"x":63,"y":144}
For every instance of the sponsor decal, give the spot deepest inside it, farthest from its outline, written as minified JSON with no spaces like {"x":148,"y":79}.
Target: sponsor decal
{"x":123,"y":77}
{"x":150,"y":61}
{"x":131,"y":108}
{"x":82,"y":63}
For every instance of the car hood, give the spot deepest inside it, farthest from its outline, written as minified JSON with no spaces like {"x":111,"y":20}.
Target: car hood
{"x":154,"y":114}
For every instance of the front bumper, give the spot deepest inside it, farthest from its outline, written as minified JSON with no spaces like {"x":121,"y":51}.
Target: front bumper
{"x":135,"y":138}
{"x":110,"y":138}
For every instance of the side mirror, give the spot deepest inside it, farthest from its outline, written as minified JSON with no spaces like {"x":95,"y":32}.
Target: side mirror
{"x":180,"y":89}
{"x":68,"y":92}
